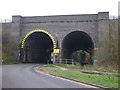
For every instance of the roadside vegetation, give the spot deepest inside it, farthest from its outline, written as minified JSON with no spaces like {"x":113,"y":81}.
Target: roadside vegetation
{"x":87,"y":67}
{"x":9,"y":59}
{"x":104,"y":80}
{"x":9,"y":50}
{"x":110,"y":81}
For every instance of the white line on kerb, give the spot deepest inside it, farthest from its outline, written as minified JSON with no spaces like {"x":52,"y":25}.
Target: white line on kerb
{"x":64,"y":78}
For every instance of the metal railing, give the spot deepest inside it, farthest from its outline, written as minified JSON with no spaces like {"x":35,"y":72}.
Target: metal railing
{"x":5,"y":20}
{"x":113,"y":17}
{"x":64,"y":61}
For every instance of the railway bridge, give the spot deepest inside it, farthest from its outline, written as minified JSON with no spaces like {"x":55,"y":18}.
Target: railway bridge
{"x":38,"y":36}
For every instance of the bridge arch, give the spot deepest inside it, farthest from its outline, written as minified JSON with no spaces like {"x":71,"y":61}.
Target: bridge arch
{"x":37,"y":46}
{"x":38,"y":30}
{"x":77,"y":40}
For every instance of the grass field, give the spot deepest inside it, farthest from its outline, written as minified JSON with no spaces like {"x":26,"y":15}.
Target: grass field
{"x":110,"y":81}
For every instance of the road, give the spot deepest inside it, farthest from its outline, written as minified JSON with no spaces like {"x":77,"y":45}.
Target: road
{"x":25,"y":76}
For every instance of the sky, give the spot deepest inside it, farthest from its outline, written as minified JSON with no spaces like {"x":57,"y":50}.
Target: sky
{"x":56,"y":7}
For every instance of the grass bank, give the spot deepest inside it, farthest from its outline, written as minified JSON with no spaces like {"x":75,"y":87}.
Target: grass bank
{"x":110,"y":81}
{"x":89,"y":68}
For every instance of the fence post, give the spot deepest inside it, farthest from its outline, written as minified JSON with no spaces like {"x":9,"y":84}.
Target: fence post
{"x":60,"y":61}
{"x":53,"y":59}
{"x":66,"y":61}
{"x":72,"y":61}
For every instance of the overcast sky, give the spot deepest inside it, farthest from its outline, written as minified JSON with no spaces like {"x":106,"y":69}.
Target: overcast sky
{"x":56,"y":7}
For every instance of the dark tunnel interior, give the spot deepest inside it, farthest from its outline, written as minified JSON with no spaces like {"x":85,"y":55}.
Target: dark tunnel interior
{"x":77,"y":40}
{"x":38,"y":48}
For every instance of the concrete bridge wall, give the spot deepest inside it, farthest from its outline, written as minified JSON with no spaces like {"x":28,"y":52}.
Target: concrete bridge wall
{"x":95,"y":25}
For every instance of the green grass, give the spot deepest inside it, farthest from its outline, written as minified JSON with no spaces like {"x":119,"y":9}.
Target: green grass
{"x":85,"y":68}
{"x":9,"y":59}
{"x":110,"y":81}
{"x":50,"y":65}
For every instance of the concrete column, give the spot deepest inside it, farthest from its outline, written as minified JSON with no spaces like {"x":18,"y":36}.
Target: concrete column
{"x":103,"y":36}
{"x":1,"y":55}
{"x":16,"y":32}
{"x":16,"y":26}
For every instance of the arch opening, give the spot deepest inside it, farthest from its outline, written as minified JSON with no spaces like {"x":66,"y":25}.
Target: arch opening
{"x":77,"y":40}
{"x":37,"y":48}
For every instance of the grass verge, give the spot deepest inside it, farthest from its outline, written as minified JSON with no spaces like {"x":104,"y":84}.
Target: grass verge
{"x":50,"y":65}
{"x":110,"y":81}
{"x":83,"y":68}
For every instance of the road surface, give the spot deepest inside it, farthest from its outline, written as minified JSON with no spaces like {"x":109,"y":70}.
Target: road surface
{"x":25,"y":76}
